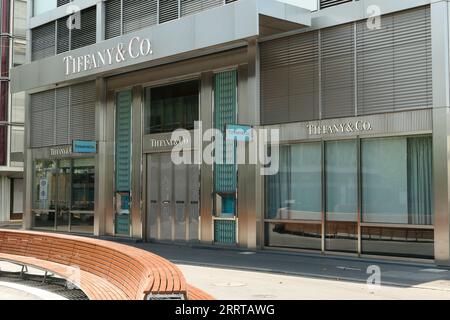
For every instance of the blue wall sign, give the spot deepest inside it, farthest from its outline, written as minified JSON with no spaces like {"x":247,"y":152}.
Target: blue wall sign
{"x":237,"y":132}
{"x":82,"y":146}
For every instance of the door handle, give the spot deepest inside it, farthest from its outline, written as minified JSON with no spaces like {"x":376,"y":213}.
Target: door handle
{"x":153,"y":201}
{"x":180,"y":202}
{"x":194,"y":202}
{"x":166,"y":202}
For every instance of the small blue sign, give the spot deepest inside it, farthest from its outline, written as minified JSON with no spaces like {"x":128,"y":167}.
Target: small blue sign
{"x":83,"y":146}
{"x":237,"y":132}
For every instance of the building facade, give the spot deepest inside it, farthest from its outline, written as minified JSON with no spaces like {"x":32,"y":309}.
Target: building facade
{"x":358,"y":91}
{"x":12,"y":109}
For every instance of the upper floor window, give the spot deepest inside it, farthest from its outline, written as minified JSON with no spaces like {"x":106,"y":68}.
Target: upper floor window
{"x":42,"y":6}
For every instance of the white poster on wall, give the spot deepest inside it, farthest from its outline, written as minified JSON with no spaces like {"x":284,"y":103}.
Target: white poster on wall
{"x":43,"y":189}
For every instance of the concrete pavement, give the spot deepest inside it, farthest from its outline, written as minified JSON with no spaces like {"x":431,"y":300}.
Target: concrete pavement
{"x":302,"y":276}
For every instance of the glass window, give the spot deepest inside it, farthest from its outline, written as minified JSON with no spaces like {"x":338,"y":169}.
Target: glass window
{"x":19,"y":52}
{"x":295,"y":193}
{"x":341,"y":180}
{"x":341,"y":196}
{"x":397,"y":180}
{"x":20,"y":18}
{"x":41,"y":6}
{"x":83,"y":179}
{"x":18,"y":107}
{"x":171,"y":107}
{"x":17,"y":146}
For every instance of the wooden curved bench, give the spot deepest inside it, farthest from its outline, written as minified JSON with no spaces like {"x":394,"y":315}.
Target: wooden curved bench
{"x":103,"y":270}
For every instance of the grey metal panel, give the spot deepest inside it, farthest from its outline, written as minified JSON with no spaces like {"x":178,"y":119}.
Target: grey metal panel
{"x":206,"y":208}
{"x":62,"y":36}
{"x":137,"y":215}
{"x":82,"y":111}
{"x":412,"y":59}
{"x":330,"y":3}
{"x":166,"y":197}
{"x":62,"y":112}
{"x":42,"y":107}
{"x":87,"y":34}
{"x":138,"y":14}
{"x":289,"y":79}
{"x":394,"y":63}
{"x":337,"y":71}
{"x":43,"y":41}
{"x":193,"y":6}
{"x":168,"y":10}
{"x":440,"y":25}
{"x":194,"y":202}
{"x":181,"y":200}
{"x":153,"y":196}
{"x":386,"y":124}
{"x":113,"y":18}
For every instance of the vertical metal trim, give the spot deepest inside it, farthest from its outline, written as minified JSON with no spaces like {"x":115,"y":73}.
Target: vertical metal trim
{"x":359,"y":187}
{"x":70,"y":194}
{"x":54,"y":116}
{"x":355,"y":63}
{"x":324,"y":195}
{"x":121,"y":18}
{"x":319,"y":44}
{"x":157,"y":11}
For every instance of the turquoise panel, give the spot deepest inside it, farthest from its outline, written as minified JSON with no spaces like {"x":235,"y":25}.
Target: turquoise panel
{"x":225,"y":112}
{"x":123,"y":141}
{"x":225,"y":231}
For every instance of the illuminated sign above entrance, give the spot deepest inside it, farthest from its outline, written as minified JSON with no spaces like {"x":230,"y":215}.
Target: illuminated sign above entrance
{"x":339,"y":128}
{"x":121,"y":53}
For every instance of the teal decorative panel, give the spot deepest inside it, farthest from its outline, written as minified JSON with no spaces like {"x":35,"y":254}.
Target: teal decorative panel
{"x":225,"y":231}
{"x":123,"y":224}
{"x":225,"y":112}
{"x":123,"y":141}
{"x":124,"y":101}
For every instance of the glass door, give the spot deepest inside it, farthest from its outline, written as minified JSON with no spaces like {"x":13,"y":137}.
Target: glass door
{"x":341,"y":177}
{"x":63,"y":194}
{"x":45,"y":194}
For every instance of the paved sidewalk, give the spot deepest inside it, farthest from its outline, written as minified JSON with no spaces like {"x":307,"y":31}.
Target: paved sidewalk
{"x":225,"y":284}
{"x":308,"y":268}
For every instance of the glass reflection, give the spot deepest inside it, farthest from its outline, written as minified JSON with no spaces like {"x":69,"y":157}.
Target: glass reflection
{"x":404,"y":242}
{"x":294,"y":235}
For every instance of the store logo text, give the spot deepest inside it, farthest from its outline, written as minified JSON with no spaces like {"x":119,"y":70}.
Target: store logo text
{"x":135,"y":49}
{"x":349,"y":127}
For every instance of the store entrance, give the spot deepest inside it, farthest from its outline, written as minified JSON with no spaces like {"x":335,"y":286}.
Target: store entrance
{"x":173,"y":199}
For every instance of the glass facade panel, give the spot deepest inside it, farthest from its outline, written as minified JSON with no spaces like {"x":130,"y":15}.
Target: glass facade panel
{"x":396,"y":180}
{"x":395,"y":188}
{"x":63,"y":195}
{"x":404,"y":242}
{"x":171,"y":107}
{"x":294,"y":235}
{"x":295,"y":193}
